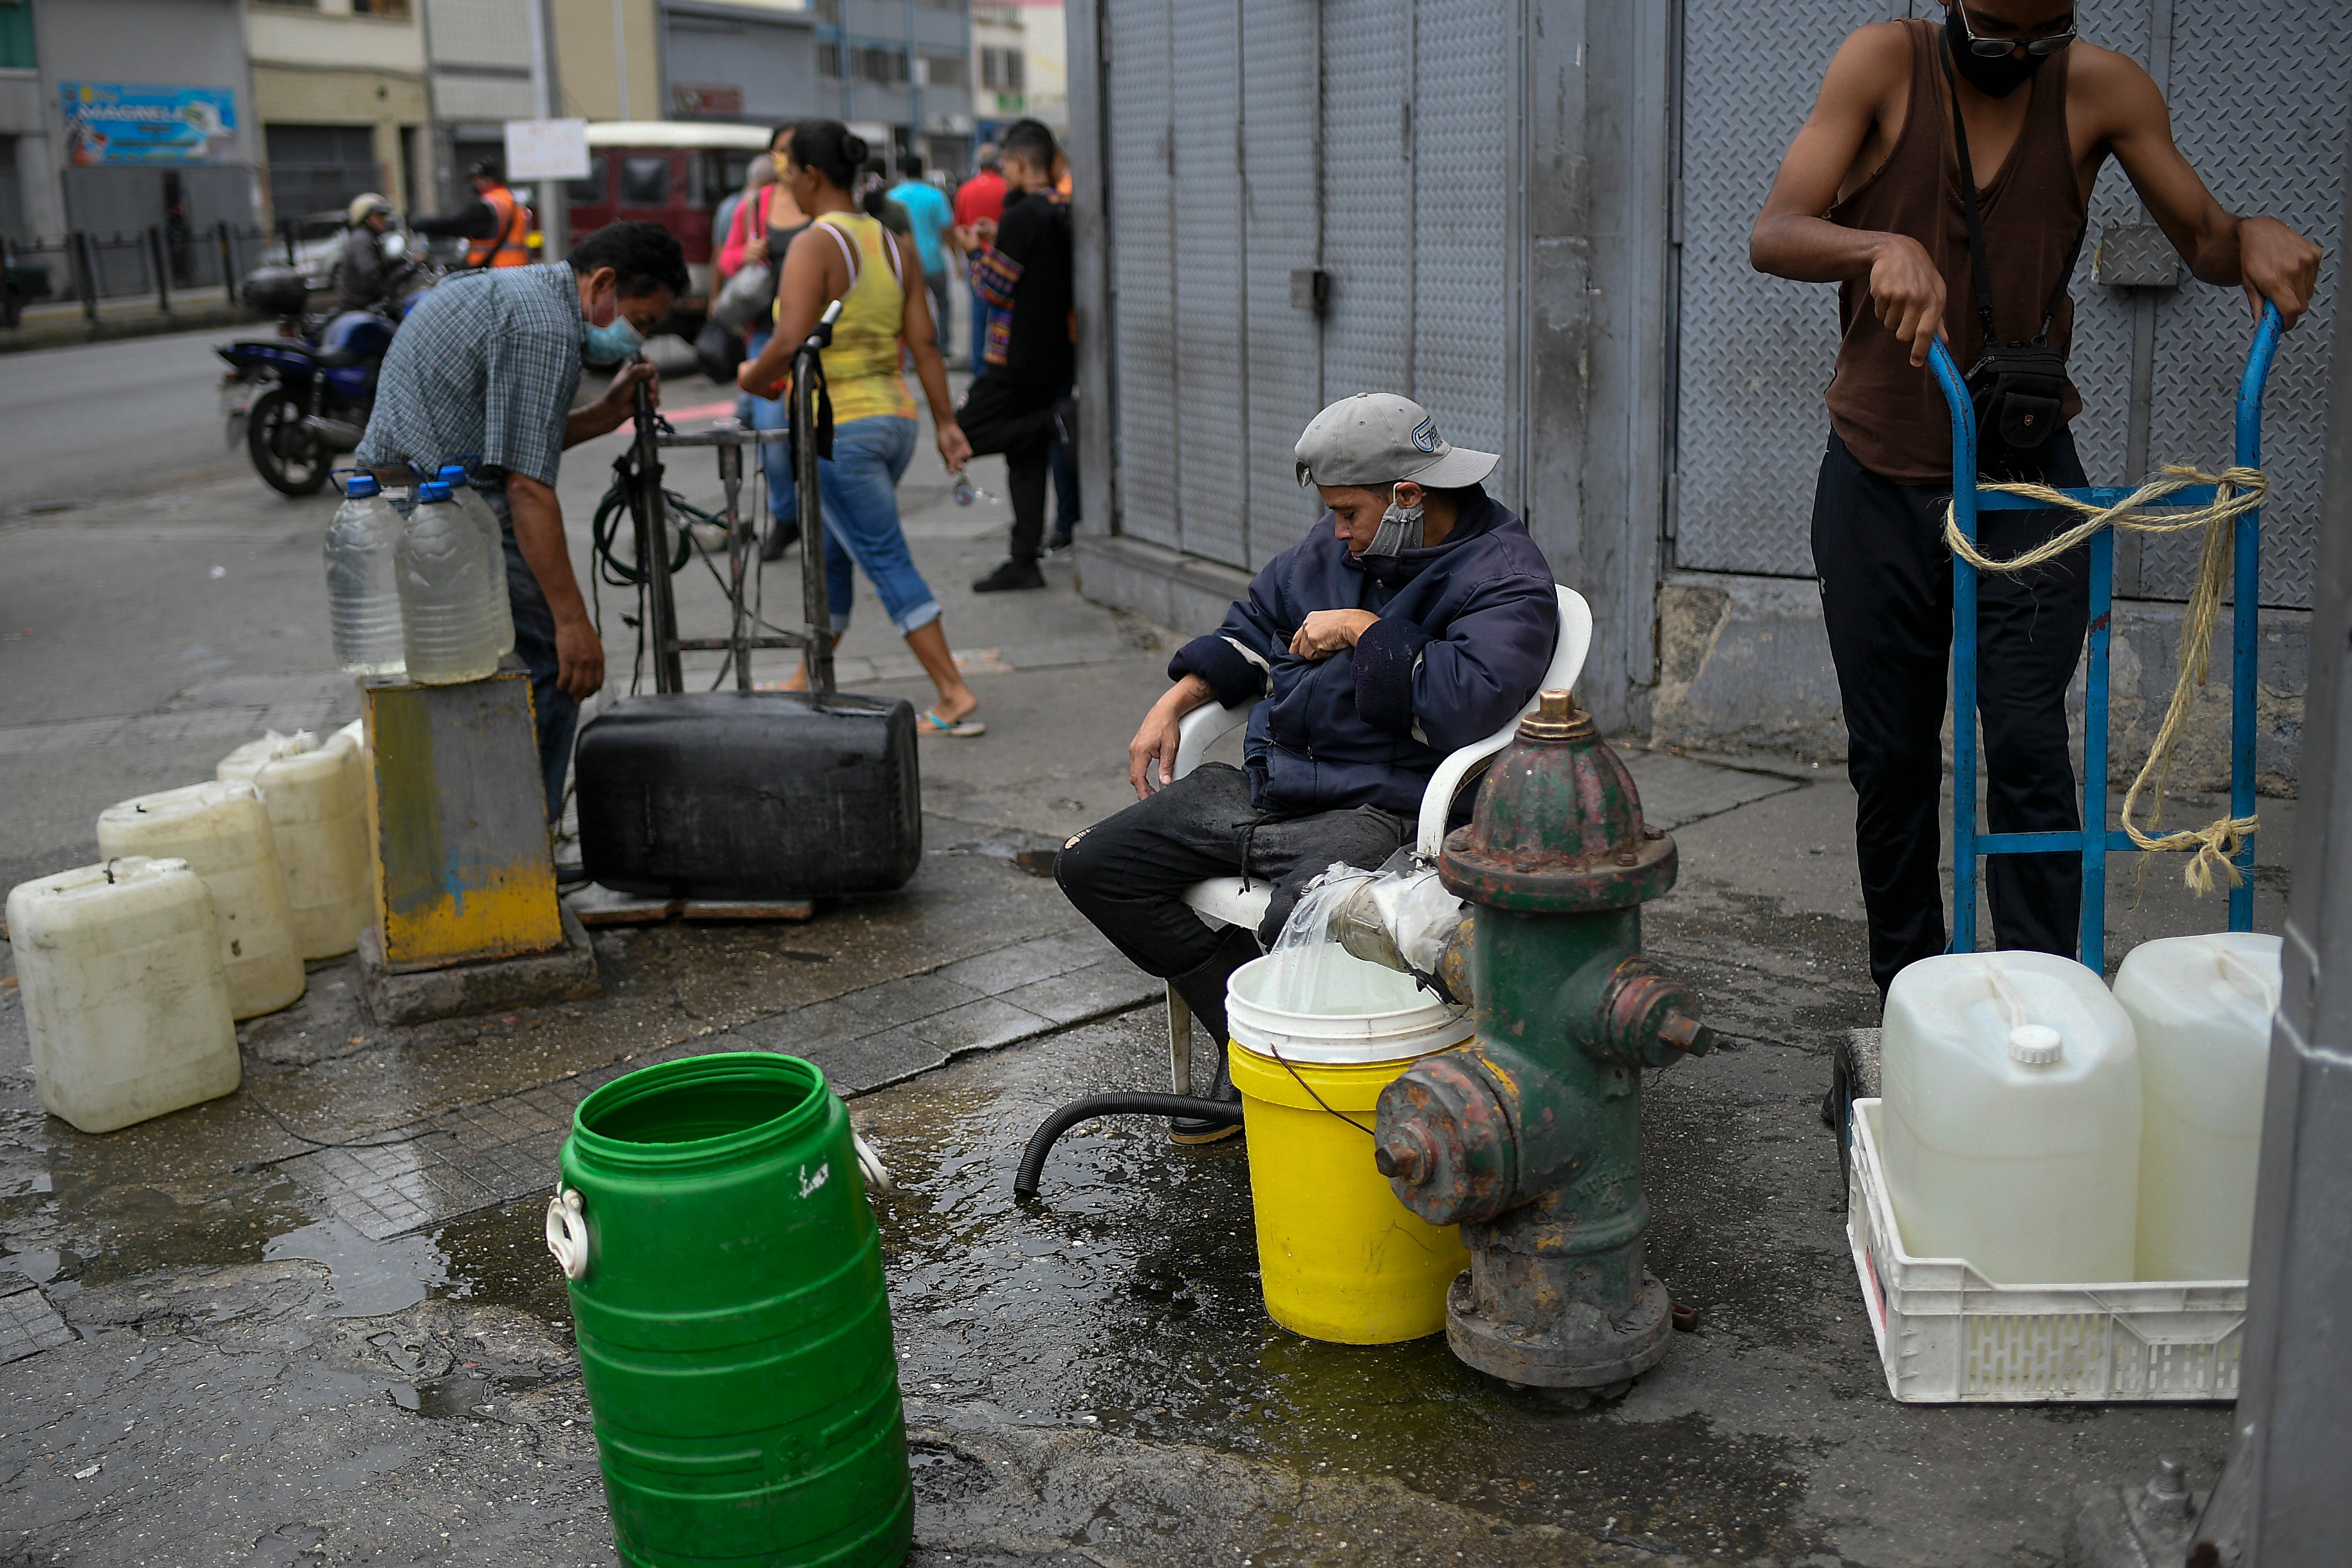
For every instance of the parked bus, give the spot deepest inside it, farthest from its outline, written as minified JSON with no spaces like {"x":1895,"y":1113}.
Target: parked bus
{"x":674,"y":172}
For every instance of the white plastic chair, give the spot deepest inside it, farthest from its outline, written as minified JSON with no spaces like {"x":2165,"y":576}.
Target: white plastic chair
{"x":1242,"y":901}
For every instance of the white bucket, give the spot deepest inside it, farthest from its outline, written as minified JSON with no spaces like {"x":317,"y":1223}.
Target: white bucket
{"x":1357,"y":1012}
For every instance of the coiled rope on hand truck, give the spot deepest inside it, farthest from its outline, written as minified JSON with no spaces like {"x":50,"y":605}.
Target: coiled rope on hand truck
{"x":2236,"y":491}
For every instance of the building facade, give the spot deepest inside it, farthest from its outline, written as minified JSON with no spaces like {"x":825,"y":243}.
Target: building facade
{"x":480,"y":64}
{"x":122,"y":115}
{"x":340,"y":88}
{"x":1020,"y":65}
{"x":900,"y":71}
{"x":1282,"y":201}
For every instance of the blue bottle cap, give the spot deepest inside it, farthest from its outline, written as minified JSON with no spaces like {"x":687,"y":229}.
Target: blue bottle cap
{"x":452,"y":474}
{"x":360,"y":486}
{"x":432,"y":490}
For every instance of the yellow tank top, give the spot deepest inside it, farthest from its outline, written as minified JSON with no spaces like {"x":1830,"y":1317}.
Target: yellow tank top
{"x":861,"y":368}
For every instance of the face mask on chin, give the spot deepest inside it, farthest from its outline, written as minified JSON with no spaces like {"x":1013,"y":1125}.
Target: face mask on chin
{"x":1400,"y":529}
{"x":1995,"y":78}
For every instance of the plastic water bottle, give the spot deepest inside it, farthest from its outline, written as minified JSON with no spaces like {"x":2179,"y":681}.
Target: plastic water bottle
{"x":363,"y":588}
{"x":445,"y":607}
{"x":963,"y":491}
{"x":469,"y":501}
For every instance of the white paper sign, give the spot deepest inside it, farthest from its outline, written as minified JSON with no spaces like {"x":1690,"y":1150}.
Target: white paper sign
{"x":547,"y":150}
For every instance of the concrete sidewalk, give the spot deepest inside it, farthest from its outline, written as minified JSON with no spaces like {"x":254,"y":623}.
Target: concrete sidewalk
{"x":313,"y":1321}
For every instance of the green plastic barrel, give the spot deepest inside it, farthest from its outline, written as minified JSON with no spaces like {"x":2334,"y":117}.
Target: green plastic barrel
{"x":734,"y":1336}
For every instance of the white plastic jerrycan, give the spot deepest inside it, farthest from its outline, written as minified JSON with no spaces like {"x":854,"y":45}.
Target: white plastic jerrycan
{"x":316,"y":797}
{"x":2012,"y":1117}
{"x":223,"y":834}
{"x":2202,"y":1006}
{"x":125,"y":999}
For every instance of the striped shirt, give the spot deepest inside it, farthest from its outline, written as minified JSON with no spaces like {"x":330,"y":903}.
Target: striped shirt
{"x":487,"y":366}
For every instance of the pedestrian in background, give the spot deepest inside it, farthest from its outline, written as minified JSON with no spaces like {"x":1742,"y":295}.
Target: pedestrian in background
{"x":763,"y":229}
{"x":873,"y":196}
{"x":928,"y":210}
{"x":848,"y":256}
{"x":979,"y":201}
{"x":758,"y":176}
{"x":1019,"y":407}
{"x":495,"y":224}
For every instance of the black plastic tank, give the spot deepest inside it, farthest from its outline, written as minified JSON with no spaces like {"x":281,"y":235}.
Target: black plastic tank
{"x":734,"y":794}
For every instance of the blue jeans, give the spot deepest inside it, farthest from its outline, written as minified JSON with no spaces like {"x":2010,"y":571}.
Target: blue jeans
{"x":859,"y":487}
{"x":775,"y":459}
{"x":555,"y":715}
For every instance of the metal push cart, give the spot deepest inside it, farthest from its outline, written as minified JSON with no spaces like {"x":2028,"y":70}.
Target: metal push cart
{"x":2095,"y":838}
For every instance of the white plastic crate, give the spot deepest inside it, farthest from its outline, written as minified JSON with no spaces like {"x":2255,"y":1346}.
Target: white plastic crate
{"x":1948,"y":1335}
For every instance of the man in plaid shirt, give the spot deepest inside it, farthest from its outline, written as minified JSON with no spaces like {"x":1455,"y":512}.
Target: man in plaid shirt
{"x":487,"y":367}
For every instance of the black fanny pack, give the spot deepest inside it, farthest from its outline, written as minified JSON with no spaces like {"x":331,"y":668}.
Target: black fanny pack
{"x":2019,"y":388}
{"x":2020,"y":393}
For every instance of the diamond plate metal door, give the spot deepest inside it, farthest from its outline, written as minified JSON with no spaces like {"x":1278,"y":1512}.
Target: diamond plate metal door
{"x":1212,"y":474}
{"x":1754,"y":353}
{"x":1284,"y":380}
{"x":1365,"y":141}
{"x":2100,"y":360}
{"x":2261,"y":90}
{"x":1138,"y":136}
{"x":1462,"y":141}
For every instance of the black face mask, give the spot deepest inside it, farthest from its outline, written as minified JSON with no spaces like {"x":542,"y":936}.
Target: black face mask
{"x":1995,"y":78}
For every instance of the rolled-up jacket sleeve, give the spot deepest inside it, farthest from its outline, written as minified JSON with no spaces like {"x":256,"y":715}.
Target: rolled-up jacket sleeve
{"x":1237,"y":658}
{"x":1463,"y":686}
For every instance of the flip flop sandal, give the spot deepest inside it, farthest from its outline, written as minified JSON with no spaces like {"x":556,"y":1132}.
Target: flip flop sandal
{"x":961,"y":729}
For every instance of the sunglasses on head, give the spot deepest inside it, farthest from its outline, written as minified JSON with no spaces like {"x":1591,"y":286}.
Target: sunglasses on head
{"x":2040,"y":46}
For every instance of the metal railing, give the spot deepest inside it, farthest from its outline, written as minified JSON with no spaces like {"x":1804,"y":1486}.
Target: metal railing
{"x":176,"y":263}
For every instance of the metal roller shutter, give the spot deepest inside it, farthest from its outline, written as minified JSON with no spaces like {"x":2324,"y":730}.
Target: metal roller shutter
{"x":1143,"y":246}
{"x":1463,"y":149}
{"x":1212,"y":463}
{"x":1366,"y":46}
{"x":1285,"y":378}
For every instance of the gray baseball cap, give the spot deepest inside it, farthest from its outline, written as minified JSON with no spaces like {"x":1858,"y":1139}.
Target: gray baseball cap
{"x":1379,"y":438}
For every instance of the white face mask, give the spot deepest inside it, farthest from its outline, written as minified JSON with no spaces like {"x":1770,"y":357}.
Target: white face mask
{"x":1399,"y":528}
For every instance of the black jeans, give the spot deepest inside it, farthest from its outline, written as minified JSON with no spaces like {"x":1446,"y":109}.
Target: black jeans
{"x":1127,"y":873}
{"x":1887,"y":596}
{"x":1015,"y":418}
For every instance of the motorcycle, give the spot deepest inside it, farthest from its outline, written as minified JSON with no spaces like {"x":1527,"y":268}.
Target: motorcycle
{"x":300,"y":399}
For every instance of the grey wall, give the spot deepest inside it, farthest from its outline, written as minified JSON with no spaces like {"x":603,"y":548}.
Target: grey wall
{"x":177,"y":43}
{"x":775,"y":63}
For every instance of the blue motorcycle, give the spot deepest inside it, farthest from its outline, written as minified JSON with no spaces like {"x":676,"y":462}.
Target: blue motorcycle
{"x":302,"y":399}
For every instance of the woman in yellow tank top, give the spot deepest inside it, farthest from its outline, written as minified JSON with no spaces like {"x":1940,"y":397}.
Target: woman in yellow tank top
{"x":846,"y":255}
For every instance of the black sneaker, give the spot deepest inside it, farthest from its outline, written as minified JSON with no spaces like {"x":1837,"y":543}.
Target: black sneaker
{"x":1014,"y":573}
{"x":1192,"y":1130}
{"x":781,"y":535}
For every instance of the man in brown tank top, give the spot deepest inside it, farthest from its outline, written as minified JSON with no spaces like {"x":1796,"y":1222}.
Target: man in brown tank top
{"x":1869,"y":196}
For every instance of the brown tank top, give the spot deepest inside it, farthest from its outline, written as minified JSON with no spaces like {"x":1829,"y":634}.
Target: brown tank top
{"x":1891,"y":417}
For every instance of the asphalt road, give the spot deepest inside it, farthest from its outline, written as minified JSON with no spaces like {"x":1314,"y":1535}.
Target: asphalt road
{"x":109,"y":418}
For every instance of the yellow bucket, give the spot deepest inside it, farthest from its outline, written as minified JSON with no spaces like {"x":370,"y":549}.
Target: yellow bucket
{"x":1339,"y":1258}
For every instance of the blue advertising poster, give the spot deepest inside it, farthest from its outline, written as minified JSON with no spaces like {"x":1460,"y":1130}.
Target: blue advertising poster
{"x":127,"y":123}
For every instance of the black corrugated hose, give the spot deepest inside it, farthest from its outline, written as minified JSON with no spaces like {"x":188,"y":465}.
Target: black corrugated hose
{"x":1222,"y":1113}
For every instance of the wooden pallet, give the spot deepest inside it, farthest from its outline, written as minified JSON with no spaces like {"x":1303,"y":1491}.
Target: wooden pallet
{"x":597,"y":905}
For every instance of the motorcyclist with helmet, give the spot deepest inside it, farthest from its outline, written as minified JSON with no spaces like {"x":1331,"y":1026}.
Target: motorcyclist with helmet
{"x":363,"y":276}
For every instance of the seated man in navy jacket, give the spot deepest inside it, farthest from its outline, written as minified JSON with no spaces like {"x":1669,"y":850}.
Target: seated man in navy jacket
{"x":1415,"y":617}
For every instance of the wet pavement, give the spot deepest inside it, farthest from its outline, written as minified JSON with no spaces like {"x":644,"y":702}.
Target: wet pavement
{"x":314,"y":1322}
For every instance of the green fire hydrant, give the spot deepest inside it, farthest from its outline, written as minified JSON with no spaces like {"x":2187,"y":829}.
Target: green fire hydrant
{"x":1529,"y":1136}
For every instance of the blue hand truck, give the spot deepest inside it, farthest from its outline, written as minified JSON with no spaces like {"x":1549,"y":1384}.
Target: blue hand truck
{"x":2094,"y":838}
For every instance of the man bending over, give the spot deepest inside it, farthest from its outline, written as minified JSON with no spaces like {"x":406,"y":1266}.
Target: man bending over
{"x":1414,"y":618}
